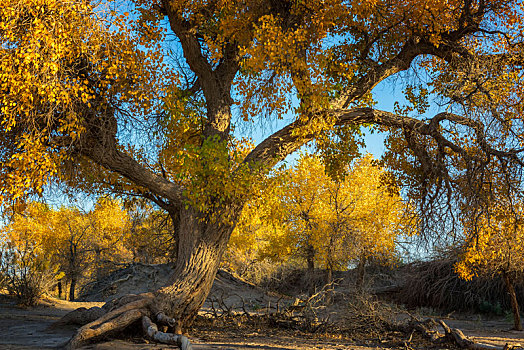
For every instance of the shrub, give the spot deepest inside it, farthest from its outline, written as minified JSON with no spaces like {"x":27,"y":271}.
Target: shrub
{"x":367,"y":314}
{"x":24,"y":274}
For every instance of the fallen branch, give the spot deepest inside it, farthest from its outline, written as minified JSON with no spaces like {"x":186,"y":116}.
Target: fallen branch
{"x":464,"y":342}
{"x":429,"y":329}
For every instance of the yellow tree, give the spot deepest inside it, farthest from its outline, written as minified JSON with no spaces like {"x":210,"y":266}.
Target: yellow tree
{"x":87,"y":243}
{"x":302,"y":201}
{"x":366,"y":217}
{"x":84,"y":93}
{"x":68,"y":242}
{"x":495,"y":246}
{"x":26,"y":262}
{"x":333,"y":222}
{"x":110,"y":225}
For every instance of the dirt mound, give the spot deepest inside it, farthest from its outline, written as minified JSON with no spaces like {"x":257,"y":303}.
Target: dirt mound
{"x":228,"y":293}
{"x":134,"y":279}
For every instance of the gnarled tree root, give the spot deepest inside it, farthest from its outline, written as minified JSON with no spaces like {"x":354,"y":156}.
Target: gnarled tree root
{"x":429,"y":329}
{"x":122,"y":313}
{"x":80,"y":316}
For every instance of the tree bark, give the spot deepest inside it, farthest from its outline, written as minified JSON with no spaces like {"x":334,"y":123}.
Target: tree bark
{"x":329,"y":282}
{"x":361,"y":272}
{"x":310,"y":275}
{"x":310,"y":258}
{"x":517,"y":325}
{"x":59,"y":287}
{"x":72,"y":289}
{"x":329,"y":277}
{"x":200,"y":248}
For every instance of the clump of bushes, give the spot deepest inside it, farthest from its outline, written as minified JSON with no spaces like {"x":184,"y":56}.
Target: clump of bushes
{"x":435,"y":284}
{"x":367,"y":314}
{"x":24,"y":274}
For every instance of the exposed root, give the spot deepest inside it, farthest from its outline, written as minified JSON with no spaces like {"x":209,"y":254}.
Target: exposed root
{"x":126,"y":299}
{"x":97,"y":328}
{"x":166,"y":321}
{"x":83,"y":316}
{"x":152,"y":332}
{"x":122,"y":313}
{"x":80,"y":316}
{"x":113,"y":321}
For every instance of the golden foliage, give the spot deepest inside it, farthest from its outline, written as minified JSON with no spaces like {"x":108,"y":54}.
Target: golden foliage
{"x":494,"y":242}
{"x":67,"y":241}
{"x":62,"y":61}
{"x":341,"y":221}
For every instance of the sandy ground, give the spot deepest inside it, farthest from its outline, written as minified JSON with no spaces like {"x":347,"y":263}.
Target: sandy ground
{"x":27,"y":329}
{"x":488,"y":331}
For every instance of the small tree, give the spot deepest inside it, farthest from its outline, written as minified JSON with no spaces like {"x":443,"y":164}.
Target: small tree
{"x":24,"y":263}
{"x":495,"y":246}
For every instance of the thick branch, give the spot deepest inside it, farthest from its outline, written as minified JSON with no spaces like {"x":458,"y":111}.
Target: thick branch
{"x":108,"y":156}
{"x":190,"y":45}
{"x":415,"y":46}
{"x":215,"y":83}
{"x":285,"y":141}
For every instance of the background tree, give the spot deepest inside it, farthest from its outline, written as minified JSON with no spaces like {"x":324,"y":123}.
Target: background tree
{"x":367,"y":217}
{"x":303,"y":208}
{"x":25,"y":263}
{"x":323,"y":221}
{"x":82,"y":88}
{"x":67,"y":243}
{"x":150,"y":238}
{"x":495,"y":246}
{"x":87,"y":243}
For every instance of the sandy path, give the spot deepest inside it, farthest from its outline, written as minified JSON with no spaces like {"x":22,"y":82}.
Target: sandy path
{"x":22,"y":328}
{"x":26,"y":329}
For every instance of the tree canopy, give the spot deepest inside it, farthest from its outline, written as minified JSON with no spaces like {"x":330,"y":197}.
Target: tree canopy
{"x":69,"y":93}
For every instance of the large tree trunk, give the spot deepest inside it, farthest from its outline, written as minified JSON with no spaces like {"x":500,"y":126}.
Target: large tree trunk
{"x":200,"y":248}
{"x":201,"y":245}
{"x":517,"y":325}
